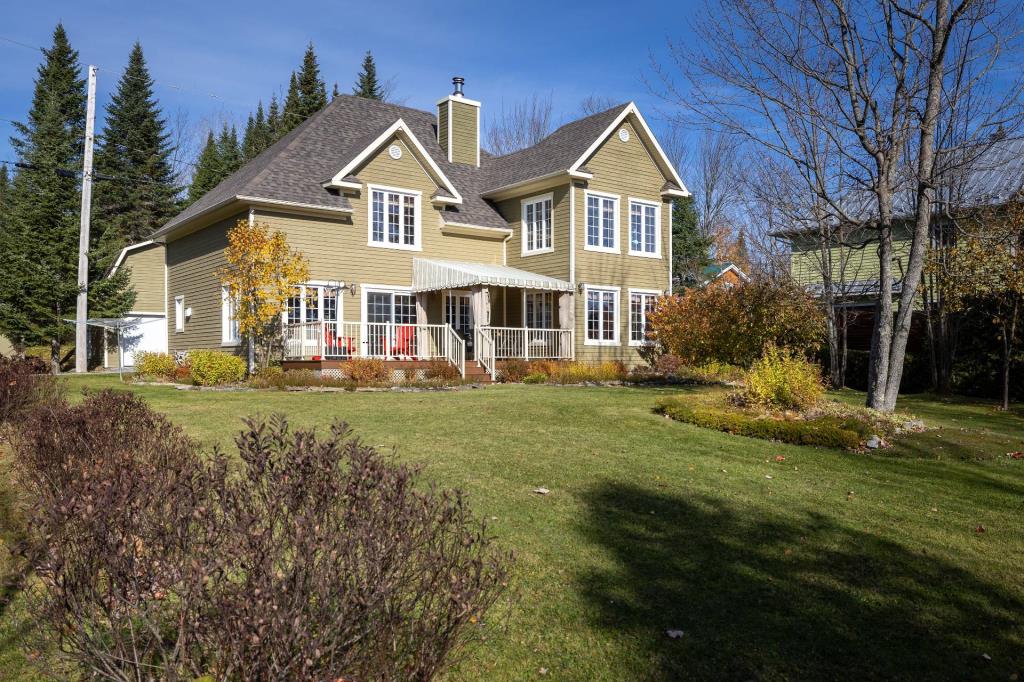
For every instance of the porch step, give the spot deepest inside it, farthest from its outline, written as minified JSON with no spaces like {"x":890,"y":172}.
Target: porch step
{"x":476,"y":372}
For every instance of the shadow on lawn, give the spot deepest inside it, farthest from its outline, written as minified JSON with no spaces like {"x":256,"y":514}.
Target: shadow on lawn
{"x":792,"y":597}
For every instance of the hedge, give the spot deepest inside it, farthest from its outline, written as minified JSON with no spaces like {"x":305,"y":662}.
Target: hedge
{"x":828,"y":432}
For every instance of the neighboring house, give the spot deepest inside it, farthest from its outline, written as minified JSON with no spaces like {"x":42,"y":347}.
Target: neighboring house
{"x":147,"y":276}
{"x":422,"y":246}
{"x":992,"y":176}
{"x":723,"y":274}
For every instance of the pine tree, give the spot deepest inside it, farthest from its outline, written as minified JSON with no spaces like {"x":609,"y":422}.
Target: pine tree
{"x":209,"y":170}
{"x":291,"y":115}
{"x":39,"y":249}
{"x":690,"y":249}
{"x":135,"y":150}
{"x":5,"y":184}
{"x":274,"y":129}
{"x":334,"y":92}
{"x":367,"y":84}
{"x":312,"y":91}
{"x":257,"y":134}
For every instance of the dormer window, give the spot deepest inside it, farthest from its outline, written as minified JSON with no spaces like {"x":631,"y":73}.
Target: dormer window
{"x":394,"y":218}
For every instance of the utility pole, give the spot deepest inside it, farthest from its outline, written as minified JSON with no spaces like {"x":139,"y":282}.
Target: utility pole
{"x":82,"y":311}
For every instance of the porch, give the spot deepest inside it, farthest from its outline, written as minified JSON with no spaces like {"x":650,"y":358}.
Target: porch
{"x":456,"y":312}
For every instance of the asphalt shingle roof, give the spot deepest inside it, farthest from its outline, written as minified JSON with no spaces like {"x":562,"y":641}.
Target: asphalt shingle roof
{"x":295,"y":168}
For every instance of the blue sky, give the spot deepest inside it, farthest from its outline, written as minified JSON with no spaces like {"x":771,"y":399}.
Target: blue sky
{"x":243,"y":51}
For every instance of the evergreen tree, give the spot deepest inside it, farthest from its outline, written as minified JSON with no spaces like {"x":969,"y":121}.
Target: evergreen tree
{"x":274,"y":127}
{"x":228,"y":151}
{"x":135,"y":150}
{"x":291,"y":115}
{"x":209,"y":170}
{"x":5,"y":184}
{"x":690,"y":249}
{"x":367,"y":84}
{"x":312,"y":91}
{"x":257,"y":134}
{"x":334,"y":91}
{"x":39,"y":248}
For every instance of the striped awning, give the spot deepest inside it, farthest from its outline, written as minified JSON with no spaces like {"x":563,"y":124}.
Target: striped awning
{"x":429,"y":274}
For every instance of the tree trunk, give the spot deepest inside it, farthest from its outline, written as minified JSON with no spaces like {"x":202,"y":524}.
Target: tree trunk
{"x":881,"y":334}
{"x":55,"y":356}
{"x":844,"y":326}
{"x":1009,"y":332}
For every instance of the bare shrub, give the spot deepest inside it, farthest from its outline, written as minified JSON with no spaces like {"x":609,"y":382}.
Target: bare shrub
{"x":442,"y":371}
{"x":367,"y":371}
{"x":319,"y":559}
{"x":23,"y":385}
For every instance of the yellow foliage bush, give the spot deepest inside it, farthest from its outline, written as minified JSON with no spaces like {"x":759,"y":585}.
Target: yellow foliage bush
{"x":367,"y":371}
{"x":155,"y":365}
{"x":783,"y":379}
{"x":212,"y":367}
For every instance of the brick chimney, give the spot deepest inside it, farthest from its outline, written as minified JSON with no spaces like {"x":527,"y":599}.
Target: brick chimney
{"x":458,"y":126}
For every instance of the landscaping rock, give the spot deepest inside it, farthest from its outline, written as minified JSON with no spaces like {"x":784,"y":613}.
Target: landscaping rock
{"x":873,"y":443}
{"x":541,"y":491}
{"x":674,"y":634}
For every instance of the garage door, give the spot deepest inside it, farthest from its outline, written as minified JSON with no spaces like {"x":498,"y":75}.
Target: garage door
{"x":148,"y":335}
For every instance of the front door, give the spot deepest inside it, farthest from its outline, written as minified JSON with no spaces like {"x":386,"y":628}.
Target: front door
{"x":459,"y":314}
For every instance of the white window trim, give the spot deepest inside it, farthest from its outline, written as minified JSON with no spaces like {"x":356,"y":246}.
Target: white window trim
{"x":225,"y":320}
{"x":417,"y":218}
{"x":365,"y":289}
{"x":321,"y":285}
{"x":540,"y":199}
{"x":615,"y":227}
{"x":617,"y":341}
{"x":629,"y":314}
{"x":179,"y":314}
{"x":657,"y":228}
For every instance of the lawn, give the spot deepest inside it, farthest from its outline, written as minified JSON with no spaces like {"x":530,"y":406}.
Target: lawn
{"x":825,"y":565}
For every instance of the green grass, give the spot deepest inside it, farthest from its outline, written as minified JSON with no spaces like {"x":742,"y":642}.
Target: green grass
{"x":827,"y":565}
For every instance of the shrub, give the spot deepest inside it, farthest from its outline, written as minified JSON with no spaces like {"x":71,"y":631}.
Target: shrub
{"x":824,"y":432}
{"x":668,"y":364}
{"x":319,"y":559}
{"x":22,"y":386}
{"x":158,"y":365}
{"x":212,"y":368}
{"x":514,"y":371}
{"x":782,"y":379}
{"x":442,"y":370}
{"x":365,"y":371}
{"x":535,"y":378}
{"x":712,"y":372}
{"x":733,"y":325}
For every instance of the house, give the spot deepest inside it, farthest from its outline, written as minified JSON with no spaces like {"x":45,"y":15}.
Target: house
{"x":145,"y":262}
{"x":981,"y":176}
{"x":723,"y":274}
{"x":422,"y":246}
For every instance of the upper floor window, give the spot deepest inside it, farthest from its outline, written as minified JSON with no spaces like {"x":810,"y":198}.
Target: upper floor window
{"x":602,"y":222}
{"x":643,"y":229}
{"x":394,"y":218}
{"x":537,"y":228}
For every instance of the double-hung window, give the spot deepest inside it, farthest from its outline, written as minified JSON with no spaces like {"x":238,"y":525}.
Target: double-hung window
{"x":540,"y":309}
{"x":229,"y":335}
{"x":602,"y":316}
{"x":394,"y":218}
{"x":537,"y":230}
{"x":643,"y":229}
{"x":602,"y":222}
{"x":640,"y":304}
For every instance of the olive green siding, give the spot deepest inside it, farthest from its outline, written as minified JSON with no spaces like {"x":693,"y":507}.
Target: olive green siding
{"x":6,"y":348}
{"x":442,"y":125}
{"x":147,"y":278}
{"x":554,"y":263}
{"x":192,"y":264}
{"x":339,"y":250}
{"x":112,"y":357}
{"x":625,"y":169}
{"x":465,"y":132}
{"x":849,"y":264}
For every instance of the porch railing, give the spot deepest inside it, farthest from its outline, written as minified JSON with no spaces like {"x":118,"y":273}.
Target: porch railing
{"x":484,"y":347}
{"x":532,"y":344}
{"x":385,"y":340}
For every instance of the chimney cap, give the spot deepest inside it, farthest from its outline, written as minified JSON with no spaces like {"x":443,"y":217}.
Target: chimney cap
{"x":458,"y":82}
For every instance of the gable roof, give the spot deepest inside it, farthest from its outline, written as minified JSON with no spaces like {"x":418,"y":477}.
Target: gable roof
{"x":306,"y":168}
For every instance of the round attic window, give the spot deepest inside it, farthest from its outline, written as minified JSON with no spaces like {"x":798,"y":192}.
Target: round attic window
{"x":395,"y":152}
{"x":623,"y":134}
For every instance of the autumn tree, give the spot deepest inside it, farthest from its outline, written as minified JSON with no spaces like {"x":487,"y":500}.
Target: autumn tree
{"x":984,"y":271}
{"x":260,"y":273}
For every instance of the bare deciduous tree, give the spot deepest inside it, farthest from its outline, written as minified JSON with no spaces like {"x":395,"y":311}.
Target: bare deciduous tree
{"x":520,"y":125}
{"x":595,"y":104}
{"x":870,"y":79}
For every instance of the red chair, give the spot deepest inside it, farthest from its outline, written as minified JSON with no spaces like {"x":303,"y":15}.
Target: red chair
{"x":405,"y":339}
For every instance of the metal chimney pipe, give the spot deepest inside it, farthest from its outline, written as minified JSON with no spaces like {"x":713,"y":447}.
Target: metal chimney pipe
{"x":458,"y":82}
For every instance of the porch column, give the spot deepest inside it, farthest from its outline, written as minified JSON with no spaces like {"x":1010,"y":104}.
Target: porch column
{"x":422,"y":339}
{"x":566,"y":320}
